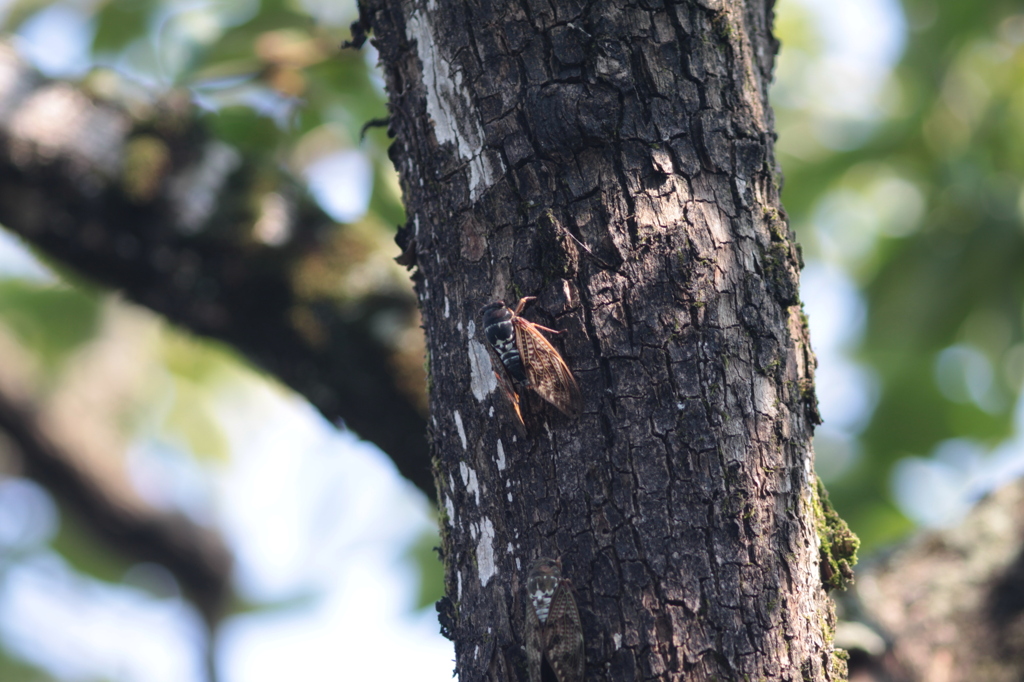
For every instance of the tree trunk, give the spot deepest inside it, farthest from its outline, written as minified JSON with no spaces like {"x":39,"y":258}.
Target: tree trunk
{"x":616,"y":163}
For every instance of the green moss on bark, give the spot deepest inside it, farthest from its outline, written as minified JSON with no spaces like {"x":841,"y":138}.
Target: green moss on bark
{"x":839,"y":544}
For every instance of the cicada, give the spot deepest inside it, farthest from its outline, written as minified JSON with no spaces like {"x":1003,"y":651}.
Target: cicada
{"x":554,"y":634}
{"x":529,"y":359}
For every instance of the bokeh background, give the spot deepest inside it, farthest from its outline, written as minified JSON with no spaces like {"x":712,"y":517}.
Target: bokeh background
{"x":901,"y":139}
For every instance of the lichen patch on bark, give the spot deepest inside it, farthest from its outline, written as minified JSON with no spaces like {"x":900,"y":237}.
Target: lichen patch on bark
{"x":449,"y":106}
{"x":485,"y":552}
{"x":481,"y":374}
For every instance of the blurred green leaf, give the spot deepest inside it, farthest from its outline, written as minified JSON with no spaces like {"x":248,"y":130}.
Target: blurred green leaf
{"x":19,"y":11}
{"x":423,"y":555}
{"x":199,"y":368}
{"x":245,"y":128}
{"x":15,"y":670}
{"x":85,"y":553}
{"x":120,"y":22}
{"x":51,"y":320}
{"x":201,"y":361}
{"x":192,"y":419}
{"x":949,"y":277}
{"x":386,"y":198}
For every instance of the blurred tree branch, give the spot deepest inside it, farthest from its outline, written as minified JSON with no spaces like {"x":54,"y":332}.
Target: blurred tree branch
{"x":950,"y":603}
{"x":195,"y":556}
{"x":140,"y":198}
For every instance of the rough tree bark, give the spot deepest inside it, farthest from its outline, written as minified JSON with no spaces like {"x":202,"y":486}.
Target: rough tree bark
{"x":616,"y":162}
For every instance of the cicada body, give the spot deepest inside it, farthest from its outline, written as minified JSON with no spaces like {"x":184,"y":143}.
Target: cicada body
{"x":528,"y":357}
{"x":554,"y":634}
{"x":501,"y":334}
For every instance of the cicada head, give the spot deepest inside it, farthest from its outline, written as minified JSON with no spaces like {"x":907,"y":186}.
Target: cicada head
{"x":553,"y":632}
{"x":541,"y":585}
{"x":495,"y":316}
{"x":501,"y":334}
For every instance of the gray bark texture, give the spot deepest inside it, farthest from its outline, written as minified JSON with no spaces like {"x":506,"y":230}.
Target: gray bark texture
{"x":617,"y":163}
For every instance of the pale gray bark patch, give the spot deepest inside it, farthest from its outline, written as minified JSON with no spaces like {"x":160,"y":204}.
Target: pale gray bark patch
{"x":500,"y":460}
{"x":481,"y":375}
{"x":469,"y":480}
{"x":449,"y":106}
{"x":450,"y":508}
{"x":485,"y":552}
{"x":462,"y":431}
{"x":482,"y":380}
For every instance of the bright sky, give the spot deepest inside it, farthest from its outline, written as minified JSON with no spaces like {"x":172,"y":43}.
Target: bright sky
{"x":319,"y":521}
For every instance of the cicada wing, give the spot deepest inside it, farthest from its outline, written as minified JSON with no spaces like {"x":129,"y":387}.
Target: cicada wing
{"x":562,"y":636}
{"x":534,"y":647}
{"x":512,"y":396}
{"x":545,"y":369}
